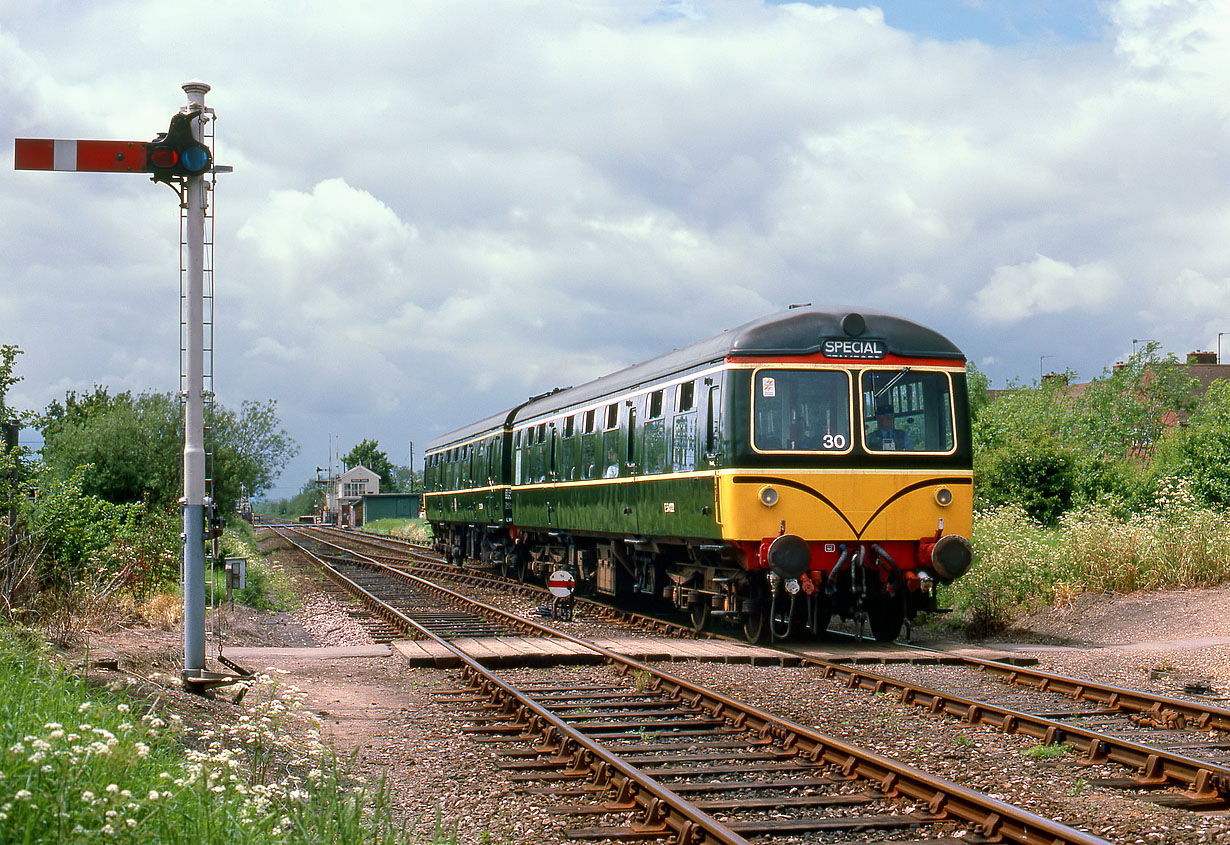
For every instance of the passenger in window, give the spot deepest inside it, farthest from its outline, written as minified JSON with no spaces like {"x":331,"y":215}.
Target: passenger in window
{"x":886,"y":435}
{"x":612,"y":465}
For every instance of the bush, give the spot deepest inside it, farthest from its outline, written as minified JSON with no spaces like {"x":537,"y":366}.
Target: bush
{"x":1039,"y":476}
{"x":82,"y":538}
{"x":1021,"y":566}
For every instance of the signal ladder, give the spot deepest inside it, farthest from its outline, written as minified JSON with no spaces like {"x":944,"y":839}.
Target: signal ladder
{"x":207,"y":137}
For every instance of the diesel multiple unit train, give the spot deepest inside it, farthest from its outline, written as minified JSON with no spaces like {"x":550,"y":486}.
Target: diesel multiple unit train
{"x":799,"y":466}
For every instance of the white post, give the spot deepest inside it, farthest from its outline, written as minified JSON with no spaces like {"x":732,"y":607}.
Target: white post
{"x":194,"y":409}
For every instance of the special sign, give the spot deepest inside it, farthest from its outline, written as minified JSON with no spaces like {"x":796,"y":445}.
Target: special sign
{"x":561,"y":583}
{"x":845,"y":347}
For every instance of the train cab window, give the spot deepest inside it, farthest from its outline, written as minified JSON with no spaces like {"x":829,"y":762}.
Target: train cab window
{"x":906,"y":410}
{"x":801,"y":411}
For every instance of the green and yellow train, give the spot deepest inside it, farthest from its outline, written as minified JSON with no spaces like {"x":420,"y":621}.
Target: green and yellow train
{"x":801,"y":466}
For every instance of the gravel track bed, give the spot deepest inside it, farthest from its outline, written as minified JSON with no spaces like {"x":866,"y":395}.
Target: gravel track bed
{"x":396,"y":726}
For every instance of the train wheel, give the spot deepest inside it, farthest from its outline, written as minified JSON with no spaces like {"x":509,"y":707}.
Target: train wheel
{"x":698,"y":610}
{"x":756,"y":614}
{"x":885,"y":615}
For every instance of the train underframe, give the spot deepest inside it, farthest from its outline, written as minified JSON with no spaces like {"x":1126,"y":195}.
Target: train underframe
{"x":710,"y":581}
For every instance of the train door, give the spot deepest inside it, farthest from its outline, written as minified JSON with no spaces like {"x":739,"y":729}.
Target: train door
{"x":551,"y":458}
{"x":632,"y":454}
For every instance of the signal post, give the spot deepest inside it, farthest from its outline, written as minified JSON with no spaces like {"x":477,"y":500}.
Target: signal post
{"x":178,"y":158}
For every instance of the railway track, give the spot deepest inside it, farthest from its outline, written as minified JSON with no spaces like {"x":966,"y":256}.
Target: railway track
{"x":650,"y":755}
{"x":1173,"y":748}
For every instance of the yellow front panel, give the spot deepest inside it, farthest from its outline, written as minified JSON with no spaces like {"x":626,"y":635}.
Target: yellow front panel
{"x":844,"y":505}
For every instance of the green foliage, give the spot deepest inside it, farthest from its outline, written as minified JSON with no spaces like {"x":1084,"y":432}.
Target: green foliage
{"x":977,"y":386}
{"x":8,"y":358}
{"x":251,"y":448}
{"x":80,"y":764}
{"x":1126,"y":411}
{"x":1022,"y":566}
{"x":1049,"y":447}
{"x":1053,"y":751}
{"x":134,"y":446}
{"x":116,"y":548}
{"x":1200,"y":450}
{"x":369,"y":455}
{"x":416,"y":530}
{"x":1038,"y":475}
{"x":302,"y":504}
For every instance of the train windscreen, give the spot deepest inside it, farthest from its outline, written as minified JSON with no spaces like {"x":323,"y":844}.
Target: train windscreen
{"x":907,"y":410}
{"x":801,"y":410}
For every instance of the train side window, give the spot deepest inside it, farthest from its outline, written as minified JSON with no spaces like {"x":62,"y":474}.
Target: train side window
{"x":683,"y":442}
{"x":589,"y":455}
{"x":569,"y":425}
{"x":612,"y":416}
{"x":589,"y":421}
{"x":685,"y":397}
{"x":568,"y":453}
{"x":655,"y":405}
{"x":654,"y":451}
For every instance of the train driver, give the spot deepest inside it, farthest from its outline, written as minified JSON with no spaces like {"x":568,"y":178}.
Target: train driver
{"x":886,"y":435}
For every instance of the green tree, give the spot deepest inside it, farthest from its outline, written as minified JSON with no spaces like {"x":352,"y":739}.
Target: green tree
{"x":251,"y":449}
{"x":1200,"y":450}
{"x":133,"y":446}
{"x":369,"y":455}
{"x":977,"y":386}
{"x":1047,"y":446}
{"x":1125,"y":413}
{"x":8,"y":358}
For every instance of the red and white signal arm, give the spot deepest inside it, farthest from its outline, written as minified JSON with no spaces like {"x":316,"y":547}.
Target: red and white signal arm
{"x":97,"y":156}
{"x":561,"y":583}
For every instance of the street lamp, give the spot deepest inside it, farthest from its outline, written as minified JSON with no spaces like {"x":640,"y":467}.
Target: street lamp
{"x":1219,"y":334}
{"x":1041,"y":366}
{"x":1137,"y":340}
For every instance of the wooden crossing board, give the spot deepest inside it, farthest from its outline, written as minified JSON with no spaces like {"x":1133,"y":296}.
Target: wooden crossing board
{"x":524,"y":651}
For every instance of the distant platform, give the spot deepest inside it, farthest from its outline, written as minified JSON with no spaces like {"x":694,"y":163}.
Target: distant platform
{"x":509,"y":652}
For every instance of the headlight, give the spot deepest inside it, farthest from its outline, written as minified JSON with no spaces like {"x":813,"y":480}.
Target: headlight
{"x":768,"y":496}
{"x":943,"y":497}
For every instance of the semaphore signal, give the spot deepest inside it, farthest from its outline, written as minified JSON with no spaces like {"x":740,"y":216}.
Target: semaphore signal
{"x":179,"y":158}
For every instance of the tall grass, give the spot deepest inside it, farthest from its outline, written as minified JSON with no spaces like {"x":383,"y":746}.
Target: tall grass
{"x":84,"y":764}
{"x":415,"y":529}
{"x":1021,"y":567}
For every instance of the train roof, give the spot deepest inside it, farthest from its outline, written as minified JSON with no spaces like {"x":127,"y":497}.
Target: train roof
{"x":797,"y":332}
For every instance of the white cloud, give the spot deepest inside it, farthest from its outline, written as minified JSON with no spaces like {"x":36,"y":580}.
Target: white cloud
{"x":1044,"y":286}
{"x":438,"y":209}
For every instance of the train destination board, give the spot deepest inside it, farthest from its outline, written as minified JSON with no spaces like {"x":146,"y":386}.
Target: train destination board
{"x":844,"y":347}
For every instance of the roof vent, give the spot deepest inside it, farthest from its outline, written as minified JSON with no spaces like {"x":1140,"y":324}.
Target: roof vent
{"x":853,"y":324}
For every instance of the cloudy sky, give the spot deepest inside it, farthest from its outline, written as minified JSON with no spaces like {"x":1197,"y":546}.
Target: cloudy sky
{"x":439,"y":208}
